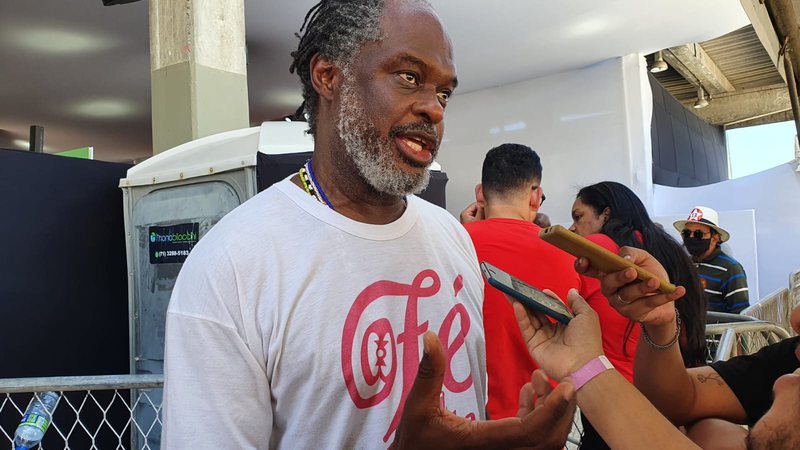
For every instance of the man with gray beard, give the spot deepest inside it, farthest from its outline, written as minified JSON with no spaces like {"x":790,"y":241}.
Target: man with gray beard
{"x":367,"y":149}
{"x":336,"y":309}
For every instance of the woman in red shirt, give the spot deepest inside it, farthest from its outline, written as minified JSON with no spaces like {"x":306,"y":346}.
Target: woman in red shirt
{"x":612,"y":216}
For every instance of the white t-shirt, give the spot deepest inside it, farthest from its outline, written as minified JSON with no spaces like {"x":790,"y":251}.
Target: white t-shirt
{"x":292,"y":326}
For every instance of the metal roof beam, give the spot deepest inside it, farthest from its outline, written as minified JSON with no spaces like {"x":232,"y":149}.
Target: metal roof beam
{"x":765,"y":31}
{"x":694,"y":64}
{"x":763,"y":120}
{"x":744,"y":105}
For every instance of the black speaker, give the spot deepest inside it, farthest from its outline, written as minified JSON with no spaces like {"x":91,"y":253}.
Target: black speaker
{"x":117,"y":2}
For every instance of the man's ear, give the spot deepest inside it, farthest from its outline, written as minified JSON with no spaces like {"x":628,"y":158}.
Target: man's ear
{"x":324,"y":74}
{"x":535,"y":200}
{"x":479,"y":195}
{"x":715,"y":239}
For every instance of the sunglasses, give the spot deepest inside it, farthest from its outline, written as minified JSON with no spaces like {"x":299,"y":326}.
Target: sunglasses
{"x":697,"y":234}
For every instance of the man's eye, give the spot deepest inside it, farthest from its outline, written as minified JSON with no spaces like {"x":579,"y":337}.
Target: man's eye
{"x":409,"y":77}
{"x":444,"y":96}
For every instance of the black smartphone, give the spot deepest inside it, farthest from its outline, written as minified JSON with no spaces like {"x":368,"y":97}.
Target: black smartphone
{"x":526,"y":294}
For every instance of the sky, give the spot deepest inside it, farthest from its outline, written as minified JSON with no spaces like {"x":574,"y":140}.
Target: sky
{"x":755,"y":149}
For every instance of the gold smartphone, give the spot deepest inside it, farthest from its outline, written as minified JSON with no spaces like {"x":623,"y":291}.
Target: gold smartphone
{"x":599,"y":258}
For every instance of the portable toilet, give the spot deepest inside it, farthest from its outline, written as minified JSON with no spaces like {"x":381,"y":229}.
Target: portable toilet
{"x":174,"y":198}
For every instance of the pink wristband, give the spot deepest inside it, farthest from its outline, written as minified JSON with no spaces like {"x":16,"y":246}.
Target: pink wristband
{"x":590,"y":370}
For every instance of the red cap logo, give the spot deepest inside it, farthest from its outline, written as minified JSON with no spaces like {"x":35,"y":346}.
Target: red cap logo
{"x":696,"y":215}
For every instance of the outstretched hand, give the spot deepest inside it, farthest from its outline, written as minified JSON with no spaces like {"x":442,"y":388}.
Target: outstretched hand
{"x":639,"y":301}
{"x":425,"y":424}
{"x":561,"y":349}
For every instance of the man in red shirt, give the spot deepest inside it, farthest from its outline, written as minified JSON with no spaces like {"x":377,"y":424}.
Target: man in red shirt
{"x":510,"y":196}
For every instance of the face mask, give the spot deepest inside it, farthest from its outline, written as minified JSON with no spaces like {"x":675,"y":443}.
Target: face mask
{"x":696,"y":246}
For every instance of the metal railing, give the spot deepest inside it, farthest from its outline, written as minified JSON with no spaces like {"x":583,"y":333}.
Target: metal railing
{"x":713,"y":336}
{"x":775,"y":307}
{"x":94,"y":412}
{"x":761,"y":324}
{"x":576,"y":433}
{"x":742,"y":338}
{"x":794,"y":292}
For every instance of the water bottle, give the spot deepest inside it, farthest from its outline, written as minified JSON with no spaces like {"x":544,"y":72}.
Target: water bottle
{"x":35,"y":421}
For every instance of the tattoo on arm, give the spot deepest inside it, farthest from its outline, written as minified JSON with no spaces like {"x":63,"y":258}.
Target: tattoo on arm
{"x":710,"y":378}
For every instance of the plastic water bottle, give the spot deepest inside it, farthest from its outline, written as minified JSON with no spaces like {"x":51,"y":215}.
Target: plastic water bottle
{"x":35,"y":421}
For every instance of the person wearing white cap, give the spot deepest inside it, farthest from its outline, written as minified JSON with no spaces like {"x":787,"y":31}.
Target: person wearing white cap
{"x":722,"y":277}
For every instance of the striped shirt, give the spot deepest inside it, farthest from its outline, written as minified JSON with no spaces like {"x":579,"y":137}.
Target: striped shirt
{"x":724,"y":282}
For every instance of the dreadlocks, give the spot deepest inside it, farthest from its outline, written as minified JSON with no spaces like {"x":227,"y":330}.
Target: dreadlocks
{"x":336,"y":30}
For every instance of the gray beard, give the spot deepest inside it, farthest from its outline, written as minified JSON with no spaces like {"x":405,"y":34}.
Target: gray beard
{"x":370,"y":154}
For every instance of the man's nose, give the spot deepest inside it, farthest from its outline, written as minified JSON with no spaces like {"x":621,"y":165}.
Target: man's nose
{"x":429,"y":107}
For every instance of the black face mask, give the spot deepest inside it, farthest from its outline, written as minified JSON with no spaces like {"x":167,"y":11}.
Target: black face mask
{"x":696,"y":246}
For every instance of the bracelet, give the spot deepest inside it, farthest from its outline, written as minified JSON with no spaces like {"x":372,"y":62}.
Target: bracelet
{"x":672,"y":342}
{"x":591,"y":369}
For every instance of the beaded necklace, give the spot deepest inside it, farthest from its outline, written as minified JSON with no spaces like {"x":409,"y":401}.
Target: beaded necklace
{"x":306,"y":180}
{"x":310,"y":184}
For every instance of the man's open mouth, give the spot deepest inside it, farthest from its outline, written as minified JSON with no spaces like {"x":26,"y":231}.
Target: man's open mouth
{"x":417,"y":147}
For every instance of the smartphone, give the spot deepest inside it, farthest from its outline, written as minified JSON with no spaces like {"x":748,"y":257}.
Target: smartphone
{"x":599,"y":258}
{"x":528,"y":295}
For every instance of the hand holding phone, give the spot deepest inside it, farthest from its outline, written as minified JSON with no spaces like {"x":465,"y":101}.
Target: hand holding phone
{"x":526,"y":294}
{"x":598,"y":257}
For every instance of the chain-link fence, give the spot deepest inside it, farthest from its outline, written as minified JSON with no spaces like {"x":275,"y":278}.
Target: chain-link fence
{"x":94,"y":412}
{"x":97,"y":412}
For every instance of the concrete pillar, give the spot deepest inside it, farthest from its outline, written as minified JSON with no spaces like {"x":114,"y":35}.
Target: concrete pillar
{"x":198,"y":69}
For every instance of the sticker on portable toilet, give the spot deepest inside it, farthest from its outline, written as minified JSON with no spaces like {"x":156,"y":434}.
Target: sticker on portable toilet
{"x":172,"y":244}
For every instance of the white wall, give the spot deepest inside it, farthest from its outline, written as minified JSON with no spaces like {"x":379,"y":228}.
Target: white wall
{"x":774,"y":195}
{"x":593,"y":124}
{"x":587,"y":125}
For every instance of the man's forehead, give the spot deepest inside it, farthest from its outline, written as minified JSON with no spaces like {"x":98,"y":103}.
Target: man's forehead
{"x":392,"y":7}
{"x":411,"y":32}
{"x":698,"y":226}
{"x":407,"y":21}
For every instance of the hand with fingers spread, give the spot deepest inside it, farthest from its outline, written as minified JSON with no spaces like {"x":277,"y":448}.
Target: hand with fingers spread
{"x":560,"y":350}
{"x":534,"y":395}
{"x":637,"y":300}
{"x":425,"y":424}
{"x":472,"y":213}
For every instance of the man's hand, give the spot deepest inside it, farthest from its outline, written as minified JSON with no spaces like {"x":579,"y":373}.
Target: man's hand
{"x":637,"y":300}
{"x":558,"y":349}
{"x":472,"y":213}
{"x":425,"y":424}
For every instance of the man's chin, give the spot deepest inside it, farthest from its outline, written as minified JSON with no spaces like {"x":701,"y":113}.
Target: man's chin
{"x":411,"y":166}
{"x":416,"y":171}
{"x":402,"y":183}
